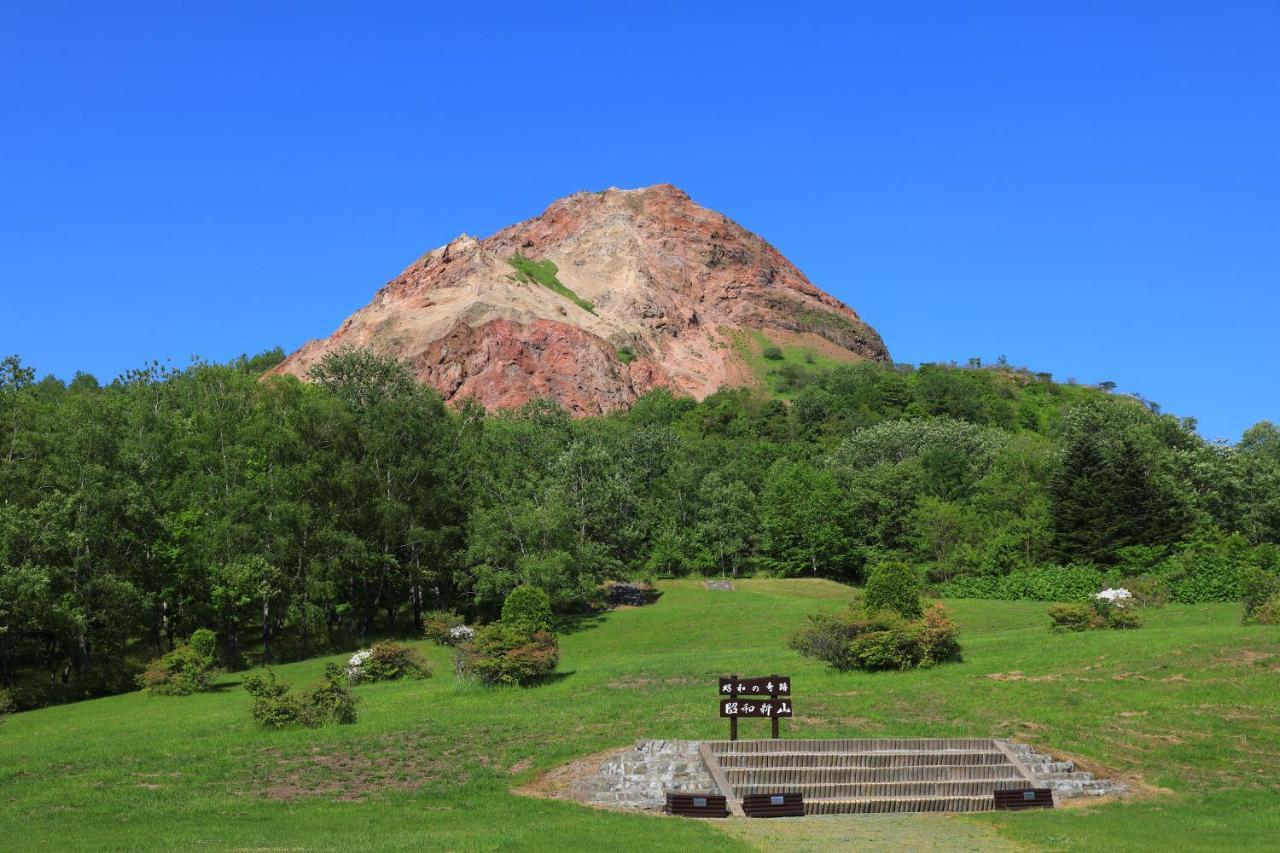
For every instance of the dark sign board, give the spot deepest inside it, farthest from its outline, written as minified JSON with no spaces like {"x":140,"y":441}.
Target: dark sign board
{"x":748,"y":707}
{"x":769,"y":685}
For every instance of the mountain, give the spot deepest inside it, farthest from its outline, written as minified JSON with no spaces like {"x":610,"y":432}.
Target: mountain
{"x":603,"y":297}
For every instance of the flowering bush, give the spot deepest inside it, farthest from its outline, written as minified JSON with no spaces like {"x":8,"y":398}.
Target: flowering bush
{"x":460,"y":634}
{"x":387,"y":662}
{"x":1111,"y":608}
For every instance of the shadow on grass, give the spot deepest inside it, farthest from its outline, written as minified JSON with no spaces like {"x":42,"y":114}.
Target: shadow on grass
{"x":579,"y":622}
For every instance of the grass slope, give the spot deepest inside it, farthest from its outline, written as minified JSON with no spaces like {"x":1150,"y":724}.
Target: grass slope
{"x":545,"y":273}
{"x":1189,"y":702}
{"x":751,"y":345}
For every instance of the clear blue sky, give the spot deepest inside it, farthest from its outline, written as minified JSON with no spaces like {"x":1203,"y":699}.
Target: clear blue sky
{"x":1091,"y":189}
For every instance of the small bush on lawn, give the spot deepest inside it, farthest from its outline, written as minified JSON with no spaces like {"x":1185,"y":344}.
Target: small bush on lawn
{"x":1268,"y":612}
{"x":1072,"y":617}
{"x":527,"y":607}
{"x":502,"y":653}
{"x":1111,"y":608}
{"x":437,"y":624}
{"x":329,"y":700}
{"x":895,"y":586}
{"x":773,"y":353}
{"x":387,"y":661}
{"x":1258,"y":587}
{"x":185,"y":670}
{"x":879,"y":640}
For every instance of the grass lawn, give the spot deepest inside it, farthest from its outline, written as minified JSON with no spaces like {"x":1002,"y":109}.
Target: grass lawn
{"x":1188,"y":703}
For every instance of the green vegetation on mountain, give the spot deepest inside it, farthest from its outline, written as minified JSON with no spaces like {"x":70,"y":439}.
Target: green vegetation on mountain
{"x":529,"y":271}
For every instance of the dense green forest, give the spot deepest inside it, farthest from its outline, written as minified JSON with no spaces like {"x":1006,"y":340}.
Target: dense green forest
{"x":296,"y":517}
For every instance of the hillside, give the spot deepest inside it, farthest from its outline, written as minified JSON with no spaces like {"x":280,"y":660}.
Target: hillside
{"x":601,"y":298}
{"x":1185,"y":704}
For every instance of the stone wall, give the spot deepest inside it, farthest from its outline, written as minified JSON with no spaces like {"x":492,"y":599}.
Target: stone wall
{"x":639,"y":778}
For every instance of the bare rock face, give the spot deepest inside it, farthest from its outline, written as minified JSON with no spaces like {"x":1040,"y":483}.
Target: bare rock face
{"x":669,"y":285}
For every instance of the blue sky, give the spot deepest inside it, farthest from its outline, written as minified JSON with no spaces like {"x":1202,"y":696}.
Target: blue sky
{"x":1088,"y":189}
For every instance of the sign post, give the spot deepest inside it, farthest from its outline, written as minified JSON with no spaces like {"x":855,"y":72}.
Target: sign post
{"x":767,"y":696}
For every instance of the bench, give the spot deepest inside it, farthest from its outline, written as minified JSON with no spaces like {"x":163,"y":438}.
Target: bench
{"x":686,"y":804}
{"x":782,"y":804}
{"x":1024,"y":798}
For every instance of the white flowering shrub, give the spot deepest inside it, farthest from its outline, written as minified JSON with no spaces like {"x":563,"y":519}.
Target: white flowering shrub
{"x":1119,"y":597}
{"x":356,"y":665}
{"x":460,"y":634}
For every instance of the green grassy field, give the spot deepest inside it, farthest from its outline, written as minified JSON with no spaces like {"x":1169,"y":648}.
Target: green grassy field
{"x":1188,"y":703}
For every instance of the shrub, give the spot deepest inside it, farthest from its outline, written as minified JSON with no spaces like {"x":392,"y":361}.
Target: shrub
{"x":183,"y":671}
{"x":1268,"y":613}
{"x":773,"y":353}
{"x":437,"y":624}
{"x":894,"y":586}
{"x":1071,"y":617}
{"x":1149,"y":590}
{"x":1123,"y":619}
{"x":508,"y":654}
{"x":7,"y":705}
{"x":1047,"y":583}
{"x":327,"y":701}
{"x":272,"y":707}
{"x":1111,"y":608}
{"x":459,"y":635}
{"x":626,"y":355}
{"x":881,"y":640}
{"x":527,"y":607}
{"x":1257,"y":587}
{"x":391,"y":662}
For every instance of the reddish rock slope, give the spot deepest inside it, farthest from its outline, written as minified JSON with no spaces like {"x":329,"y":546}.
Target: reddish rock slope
{"x":669,"y":281}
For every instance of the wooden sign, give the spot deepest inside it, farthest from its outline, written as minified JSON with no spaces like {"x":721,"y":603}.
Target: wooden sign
{"x":747,"y":707}
{"x":770,"y":685}
{"x":766,"y":697}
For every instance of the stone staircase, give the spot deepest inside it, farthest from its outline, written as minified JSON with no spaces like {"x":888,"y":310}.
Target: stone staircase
{"x":1066,"y":780}
{"x":865,"y":776}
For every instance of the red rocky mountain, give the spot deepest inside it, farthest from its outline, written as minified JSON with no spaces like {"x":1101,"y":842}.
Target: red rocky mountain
{"x":645,"y":289}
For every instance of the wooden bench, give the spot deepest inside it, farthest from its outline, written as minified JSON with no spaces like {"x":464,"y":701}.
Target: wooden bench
{"x":1024,"y":798}
{"x":687,"y":804}
{"x":783,"y":804}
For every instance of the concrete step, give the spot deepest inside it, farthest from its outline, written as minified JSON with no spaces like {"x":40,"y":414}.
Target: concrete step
{"x":888,"y":790}
{"x":874,"y":745}
{"x":1051,"y":767}
{"x":895,"y":805}
{"x":859,"y":760}
{"x":863,"y":775}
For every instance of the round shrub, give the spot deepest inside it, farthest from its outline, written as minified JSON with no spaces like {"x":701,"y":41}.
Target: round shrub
{"x":508,"y":654}
{"x":1071,"y":617}
{"x":894,"y":586}
{"x":527,"y":608}
{"x":857,"y":639}
{"x":391,"y":662}
{"x":773,"y":353}
{"x":183,"y":671}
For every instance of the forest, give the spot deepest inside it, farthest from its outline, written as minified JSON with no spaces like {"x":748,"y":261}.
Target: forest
{"x":297,"y":517}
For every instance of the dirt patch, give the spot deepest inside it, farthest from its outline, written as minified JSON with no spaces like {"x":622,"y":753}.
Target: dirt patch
{"x":1018,"y":675}
{"x":557,"y":783}
{"x":354,"y":771}
{"x":905,"y":833}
